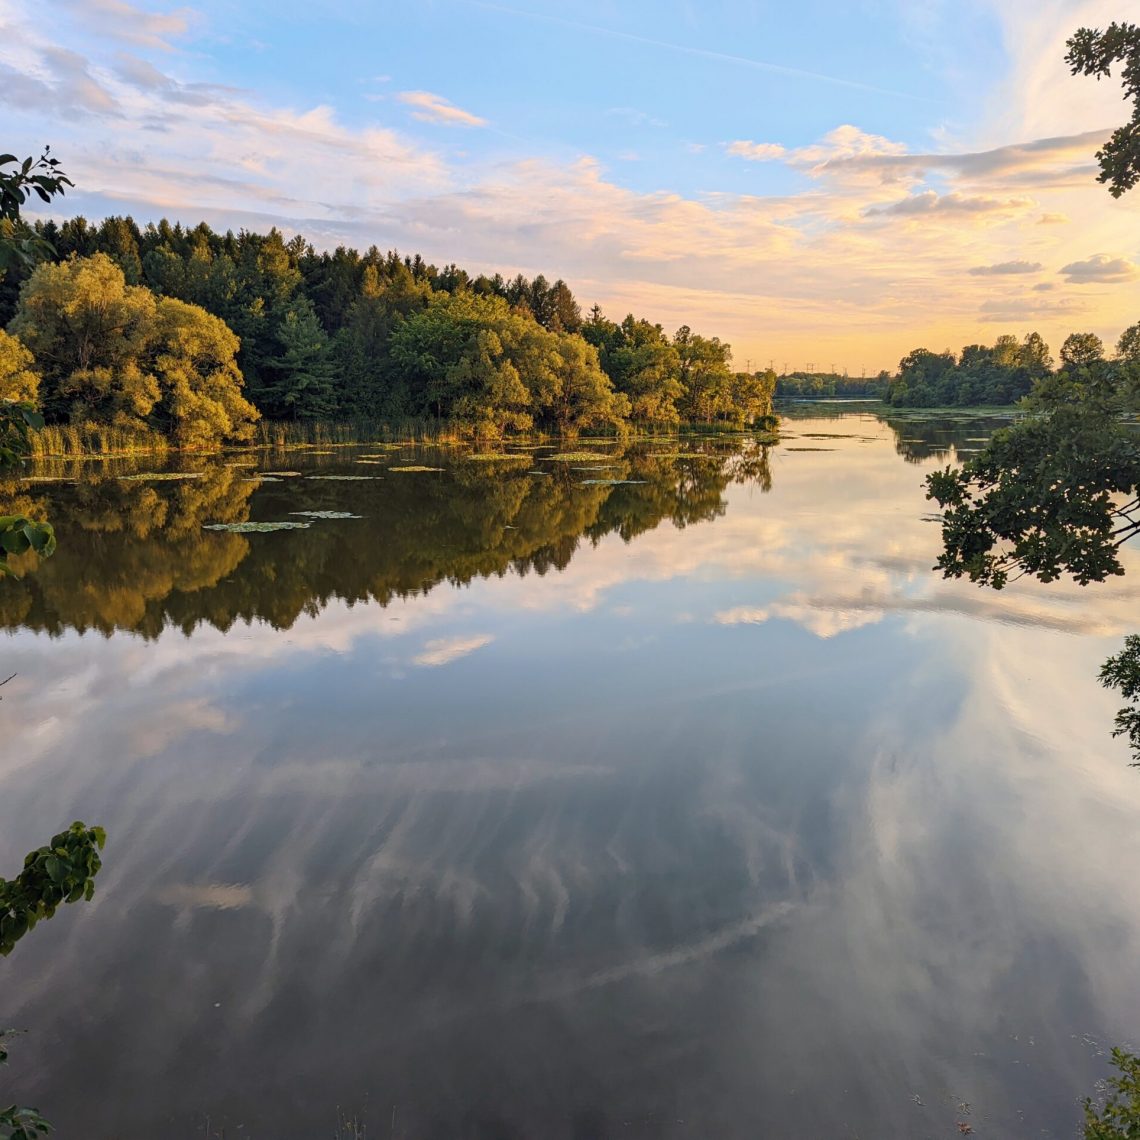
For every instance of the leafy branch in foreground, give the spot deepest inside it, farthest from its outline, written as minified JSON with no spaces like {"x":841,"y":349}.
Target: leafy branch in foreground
{"x":1123,"y":672}
{"x":1119,"y":1117}
{"x":62,"y":872}
{"x":20,"y":244}
{"x":1093,"y":52}
{"x":1056,"y":494}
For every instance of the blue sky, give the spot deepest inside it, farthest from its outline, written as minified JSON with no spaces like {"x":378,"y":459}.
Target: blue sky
{"x":841,"y":180}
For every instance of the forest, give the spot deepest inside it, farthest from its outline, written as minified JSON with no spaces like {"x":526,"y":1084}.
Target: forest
{"x":191,"y":336}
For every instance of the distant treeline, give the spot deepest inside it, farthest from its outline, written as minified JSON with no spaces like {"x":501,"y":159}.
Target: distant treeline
{"x":979,"y":376}
{"x":118,"y":333}
{"x":831,"y":385}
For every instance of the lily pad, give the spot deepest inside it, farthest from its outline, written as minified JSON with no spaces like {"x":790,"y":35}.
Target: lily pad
{"x":488,"y":456}
{"x":415,"y":467}
{"x":327,"y":514}
{"x":256,"y":527}
{"x":261,"y":479}
{"x":282,"y":474}
{"x":610,"y":482}
{"x":162,"y":476}
{"x":343,"y":478}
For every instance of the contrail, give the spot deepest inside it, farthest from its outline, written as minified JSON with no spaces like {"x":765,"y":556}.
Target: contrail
{"x":704,"y":53}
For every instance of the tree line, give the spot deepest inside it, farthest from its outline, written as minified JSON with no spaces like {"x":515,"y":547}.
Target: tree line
{"x":980,"y":375}
{"x":1002,"y":373}
{"x":195,"y":334}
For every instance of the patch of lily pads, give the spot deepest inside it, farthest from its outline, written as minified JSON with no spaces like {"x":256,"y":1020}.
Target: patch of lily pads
{"x":256,"y":527}
{"x":344,"y":478}
{"x":492,"y":456}
{"x":162,"y":476}
{"x":577,"y":456}
{"x":281,"y":474}
{"x":415,"y":467}
{"x":326,"y":514}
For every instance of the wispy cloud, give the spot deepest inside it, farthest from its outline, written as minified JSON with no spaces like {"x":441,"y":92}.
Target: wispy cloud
{"x":703,"y":53}
{"x":431,"y":108}
{"x":444,"y":650}
{"x":930,"y":202}
{"x":136,"y":25}
{"x":754,"y":151}
{"x":1005,"y":268}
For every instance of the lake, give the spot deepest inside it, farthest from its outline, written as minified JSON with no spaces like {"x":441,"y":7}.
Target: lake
{"x":663,"y":792}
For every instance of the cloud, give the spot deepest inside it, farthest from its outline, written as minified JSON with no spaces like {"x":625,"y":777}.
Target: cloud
{"x":1046,"y":158}
{"x":1052,"y":219}
{"x":1005,"y":268}
{"x":823,"y":620}
{"x":930,"y":202}
{"x":754,"y":151}
{"x":124,"y":21}
{"x":444,"y":650}
{"x":1099,"y":269}
{"x":847,"y":148}
{"x":436,"y":109}
{"x":60,"y":81}
{"x":1027,"y":308}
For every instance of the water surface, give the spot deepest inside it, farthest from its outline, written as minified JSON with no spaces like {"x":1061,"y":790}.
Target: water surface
{"x":665,"y":793}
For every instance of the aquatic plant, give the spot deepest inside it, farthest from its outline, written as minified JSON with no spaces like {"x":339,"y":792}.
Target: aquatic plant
{"x":162,"y":476}
{"x":255,"y":527}
{"x":576,"y":456}
{"x":327,"y":514}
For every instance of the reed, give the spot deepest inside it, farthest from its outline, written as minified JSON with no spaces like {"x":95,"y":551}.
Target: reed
{"x":85,"y":439}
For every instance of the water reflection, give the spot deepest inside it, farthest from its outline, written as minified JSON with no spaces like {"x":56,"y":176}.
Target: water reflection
{"x":681,"y":809}
{"x":134,"y":554}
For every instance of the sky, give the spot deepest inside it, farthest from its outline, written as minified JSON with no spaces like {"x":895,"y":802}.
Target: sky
{"x":827,"y":184}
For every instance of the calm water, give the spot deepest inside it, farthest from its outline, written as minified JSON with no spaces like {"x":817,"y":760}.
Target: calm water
{"x":529,"y":806}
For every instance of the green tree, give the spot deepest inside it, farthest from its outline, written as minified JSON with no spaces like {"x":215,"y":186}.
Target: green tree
{"x":704,"y":375}
{"x":116,"y":354}
{"x":299,"y":381}
{"x":1082,"y":350}
{"x":1128,"y":346}
{"x":19,"y":382}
